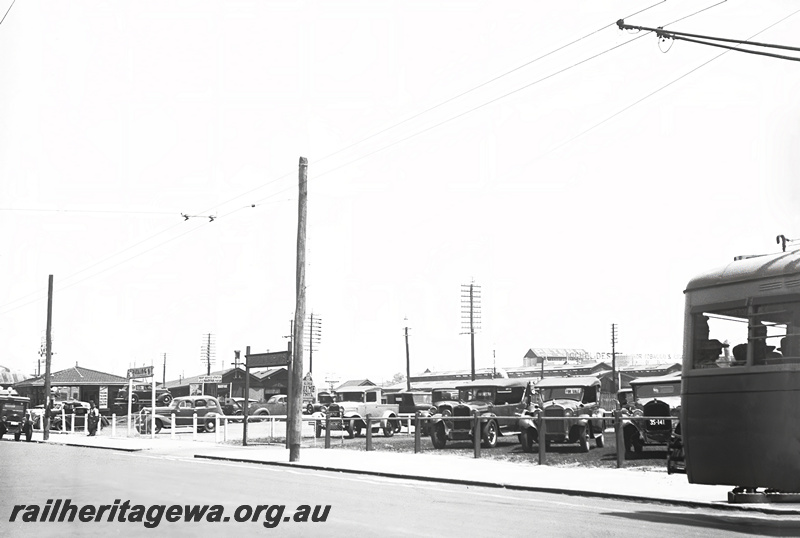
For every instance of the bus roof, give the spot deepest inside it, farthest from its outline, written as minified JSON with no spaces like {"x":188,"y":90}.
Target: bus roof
{"x":749,"y":268}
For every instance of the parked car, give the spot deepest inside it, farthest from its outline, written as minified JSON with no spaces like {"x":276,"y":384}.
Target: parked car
{"x":14,"y":415}
{"x":575,"y":400}
{"x":408,"y":403}
{"x":351,"y":408}
{"x":184,"y":408}
{"x":144,"y":393}
{"x":276,"y":405}
{"x":654,"y":414}
{"x":69,"y":412}
{"x":491,"y":399}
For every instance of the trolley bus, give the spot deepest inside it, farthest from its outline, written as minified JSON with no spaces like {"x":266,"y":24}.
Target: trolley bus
{"x":741,"y":377}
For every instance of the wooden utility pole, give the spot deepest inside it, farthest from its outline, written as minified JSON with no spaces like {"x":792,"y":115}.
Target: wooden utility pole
{"x":614,"y":335}
{"x":295,"y":424}
{"x":48,"y":355}
{"x":164,"y":372}
{"x":408,"y":364}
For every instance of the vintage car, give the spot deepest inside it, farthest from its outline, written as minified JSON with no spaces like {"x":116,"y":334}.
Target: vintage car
{"x":492,"y":399}
{"x":654,"y":414}
{"x":183,"y":408}
{"x":143,"y":393}
{"x":350,"y":410}
{"x":324,"y":399}
{"x":276,"y":405}
{"x":14,"y":415}
{"x":408,"y":403}
{"x":574,"y":400}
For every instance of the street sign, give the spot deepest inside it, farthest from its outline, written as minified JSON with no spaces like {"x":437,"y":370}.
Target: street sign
{"x":144,"y":371}
{"x":209,"y":378}
{"x":266,"y":360}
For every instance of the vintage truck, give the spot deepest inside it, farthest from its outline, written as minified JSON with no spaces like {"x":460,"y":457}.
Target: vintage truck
{"x":14,"y":416}
{"x":349,"y":412}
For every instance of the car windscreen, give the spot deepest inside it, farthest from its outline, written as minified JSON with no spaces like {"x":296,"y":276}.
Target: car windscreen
{"x":656,"y":391}
{"x":484,"y":394}
{"x":351,"y":396}
{"x":13,"y":407}
{"x":562,"y":393}
{"x":422,"y":399}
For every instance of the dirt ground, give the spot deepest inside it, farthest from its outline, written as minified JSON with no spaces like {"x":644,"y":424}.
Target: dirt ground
{"x":507,"y":449}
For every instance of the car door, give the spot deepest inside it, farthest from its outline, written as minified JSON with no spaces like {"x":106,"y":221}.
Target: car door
{"x":183,"y":415}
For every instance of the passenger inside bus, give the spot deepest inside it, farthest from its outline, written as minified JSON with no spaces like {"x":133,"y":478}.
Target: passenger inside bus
{"x":707,"y":353}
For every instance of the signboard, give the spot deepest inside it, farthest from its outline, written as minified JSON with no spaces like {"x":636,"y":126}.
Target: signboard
{"x":144,"y":371}
{"x":308,"y":389}
{"x":195,"y":389}
{"x":103,"y":397}
{"x":209,"y":379}
{"x":267,"y":360}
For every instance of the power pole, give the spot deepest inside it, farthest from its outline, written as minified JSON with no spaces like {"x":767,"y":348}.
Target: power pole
{"x":164,"y":373}
{"x":295,"y":420}
{"x":408,"y":362}
{"x":48,"y":355}
{"x":614,"y":336}
{"x":207,"y":351}
{"x":471,"y":316}
{"x":314,"y":337}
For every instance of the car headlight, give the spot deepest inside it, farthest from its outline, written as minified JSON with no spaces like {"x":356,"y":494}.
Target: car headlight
{"x":638,"y":413}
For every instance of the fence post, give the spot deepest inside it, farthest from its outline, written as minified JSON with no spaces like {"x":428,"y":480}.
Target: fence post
{"x":113,"y":424}
{"x":216,"y":428}
{"x":194,"y":426}
{"x":620,"y":438}
{"x":327,"y":429}
{"x":541,"y":428}
{"x":476,"y":434}
{"x":369,"y":433}
{"x":72,"y":426}
{"x":417,"y":432}
{"x":224,"y":429}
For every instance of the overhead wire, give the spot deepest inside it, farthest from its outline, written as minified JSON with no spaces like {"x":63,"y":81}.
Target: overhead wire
{"x":628,"y":107}
{"x":494,"y":100}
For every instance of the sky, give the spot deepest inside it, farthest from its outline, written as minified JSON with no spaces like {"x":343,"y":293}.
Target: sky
{"x":578,"y":174}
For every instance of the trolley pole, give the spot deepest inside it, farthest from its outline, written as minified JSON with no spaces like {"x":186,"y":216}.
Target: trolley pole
{"x":294,"y":427}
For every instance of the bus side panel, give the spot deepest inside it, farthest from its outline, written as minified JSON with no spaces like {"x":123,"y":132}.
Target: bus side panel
{"x":742,"y":428}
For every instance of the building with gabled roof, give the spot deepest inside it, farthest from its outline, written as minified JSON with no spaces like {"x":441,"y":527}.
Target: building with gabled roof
{"x":77,"y":383}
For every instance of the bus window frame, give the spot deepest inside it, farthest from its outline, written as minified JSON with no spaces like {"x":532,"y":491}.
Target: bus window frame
{"x":748,"y":303}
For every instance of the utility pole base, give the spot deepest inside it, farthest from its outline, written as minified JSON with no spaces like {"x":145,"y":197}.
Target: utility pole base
{"x":294,"y":453}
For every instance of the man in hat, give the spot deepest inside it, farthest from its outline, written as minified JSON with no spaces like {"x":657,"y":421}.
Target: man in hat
{"x":707,"y":353}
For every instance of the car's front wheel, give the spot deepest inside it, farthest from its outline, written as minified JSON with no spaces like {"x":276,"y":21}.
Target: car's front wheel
{"x":490,"y":434}
{"x":211,"y":425}
{"x":584,"y":440}
{"x":438,"y":437}
{"x":599,"y":442}
{"x":526,"y":439}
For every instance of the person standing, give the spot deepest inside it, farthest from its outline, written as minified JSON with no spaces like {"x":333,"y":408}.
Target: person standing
{"x":93,"y":418}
